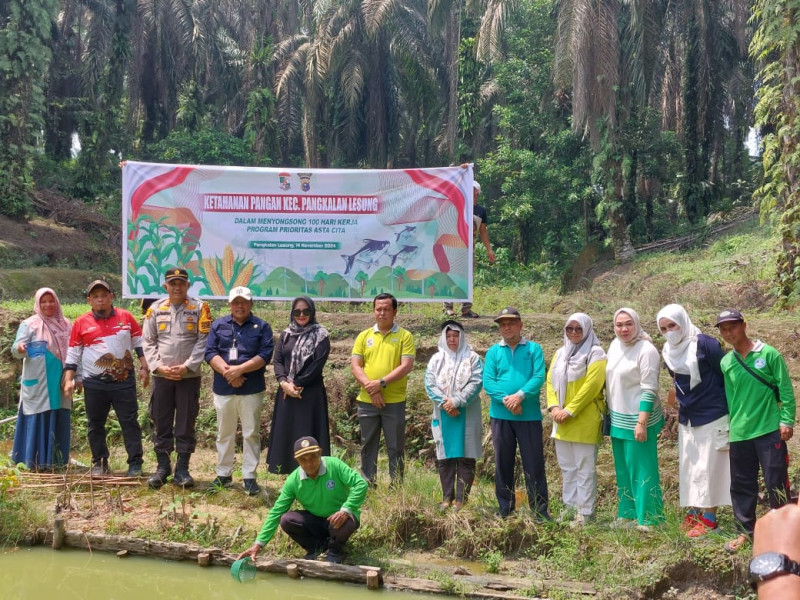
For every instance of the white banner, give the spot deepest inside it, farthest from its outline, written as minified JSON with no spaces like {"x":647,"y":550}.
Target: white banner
{"x":326,"y":233}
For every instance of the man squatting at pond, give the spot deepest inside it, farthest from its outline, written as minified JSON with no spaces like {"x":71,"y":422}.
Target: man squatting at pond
{"x":382,"y":358}
{"x":102,"y":343}
{"x":174,"y":342}
{"x":331,"y":494}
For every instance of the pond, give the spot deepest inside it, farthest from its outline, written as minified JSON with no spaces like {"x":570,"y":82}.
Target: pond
{"x":80,"y":575}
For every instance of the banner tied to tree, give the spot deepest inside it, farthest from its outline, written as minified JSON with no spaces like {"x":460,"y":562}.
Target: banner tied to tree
{"x":327,"y":233}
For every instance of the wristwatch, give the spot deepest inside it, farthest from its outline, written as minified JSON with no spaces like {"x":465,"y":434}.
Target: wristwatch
{"x":383,"y":383}
{"x":771,"y":564}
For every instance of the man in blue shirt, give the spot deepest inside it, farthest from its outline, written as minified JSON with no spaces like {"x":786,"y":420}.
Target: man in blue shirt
{"x":239,"y":347}
{"x":512,"y":377}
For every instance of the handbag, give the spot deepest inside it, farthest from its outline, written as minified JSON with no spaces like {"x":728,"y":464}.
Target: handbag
{"x":771,"y":386}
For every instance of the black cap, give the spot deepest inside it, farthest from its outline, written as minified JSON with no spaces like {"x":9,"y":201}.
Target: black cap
{"x":176,"y":273}
{"x":306,"y":445}
{"x":509,"y":312}
{"x":97,"y":283}
{"x":729,"y":314}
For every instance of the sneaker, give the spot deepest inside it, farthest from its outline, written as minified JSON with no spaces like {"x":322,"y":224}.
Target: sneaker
{"x":221,"y":481}
{"x":567,"y":515}
{"x":469,"y":315}
{"x":100,"y":469}
{"x":702,"y":527}
{"x":251,"y":487}
{"x":581,"y":520}
{"x":311,"y":555}
{"x":623,"y":523}
{"x":134,"y":470}
{"x":334,"y":558}
{"x":449,"y":312}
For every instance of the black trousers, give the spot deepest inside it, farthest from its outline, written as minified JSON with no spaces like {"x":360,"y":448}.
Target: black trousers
{"x":174,"y":406}
{"x":98,"y":403}
{"x":770,"y":452}
{"x":456,"y":475}
{"x":506,"y":435}
{"x":314,"y":533}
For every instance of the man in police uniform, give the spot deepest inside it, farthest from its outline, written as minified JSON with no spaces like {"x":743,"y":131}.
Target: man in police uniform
{"x":174,"y":341}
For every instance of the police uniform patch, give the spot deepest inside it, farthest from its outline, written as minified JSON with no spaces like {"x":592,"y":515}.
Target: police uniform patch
{"x":162,"y":326}
{"x":204,"y":324}
{"x":190,"y":327}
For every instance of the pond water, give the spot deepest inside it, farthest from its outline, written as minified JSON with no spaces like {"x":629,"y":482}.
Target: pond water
{"x":41,"y":573}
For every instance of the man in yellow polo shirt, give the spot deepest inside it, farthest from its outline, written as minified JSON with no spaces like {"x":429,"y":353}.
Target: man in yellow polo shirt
{"x":382,"y":358}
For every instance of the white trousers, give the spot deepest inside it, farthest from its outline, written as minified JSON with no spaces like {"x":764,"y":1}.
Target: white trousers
{"x":231,"y":410}
{"x":578,"y":475}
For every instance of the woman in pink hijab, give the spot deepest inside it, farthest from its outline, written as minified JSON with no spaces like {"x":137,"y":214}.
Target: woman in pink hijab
{"x":42,"y":436}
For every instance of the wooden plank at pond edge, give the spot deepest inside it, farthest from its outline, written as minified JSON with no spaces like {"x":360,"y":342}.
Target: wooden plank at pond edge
{"x":471,"y":586}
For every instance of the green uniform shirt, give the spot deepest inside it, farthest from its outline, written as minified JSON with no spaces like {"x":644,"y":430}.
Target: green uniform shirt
{"x":381,"y":355}
{"x":337,"y":487}
{"x":753,"y":407}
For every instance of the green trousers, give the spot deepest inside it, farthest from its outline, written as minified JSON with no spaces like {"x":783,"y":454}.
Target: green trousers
{"x":638,"y":483}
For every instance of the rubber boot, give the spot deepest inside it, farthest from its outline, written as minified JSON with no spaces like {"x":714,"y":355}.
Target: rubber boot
{"x":163,"y":471}
{"x":182,"y":477}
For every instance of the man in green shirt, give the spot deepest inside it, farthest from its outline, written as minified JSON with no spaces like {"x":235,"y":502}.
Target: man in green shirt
{"x":331,"y":494}
{"x":762,"y":412}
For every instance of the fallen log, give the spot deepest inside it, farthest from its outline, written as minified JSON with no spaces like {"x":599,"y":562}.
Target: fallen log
{"x":472,"y":586}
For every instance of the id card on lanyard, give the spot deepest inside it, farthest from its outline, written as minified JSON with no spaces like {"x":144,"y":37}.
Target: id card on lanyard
{"x":233,"y":353}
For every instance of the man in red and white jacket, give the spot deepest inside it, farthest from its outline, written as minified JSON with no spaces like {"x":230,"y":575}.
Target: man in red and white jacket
{"x":102,"y":344}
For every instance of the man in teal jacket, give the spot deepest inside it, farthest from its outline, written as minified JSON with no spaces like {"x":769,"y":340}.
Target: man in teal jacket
{"x":331,"y":494}
{"x":512,"y":377}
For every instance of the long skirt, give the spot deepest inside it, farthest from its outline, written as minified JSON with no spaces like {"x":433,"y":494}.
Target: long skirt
{"x":704,"y":464}
{"x":41,"y":440}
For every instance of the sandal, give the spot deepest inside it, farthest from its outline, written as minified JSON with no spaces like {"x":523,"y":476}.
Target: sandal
{"x":702,"y":527}
{"x":737,"y":543}
{"x":689,"y":521}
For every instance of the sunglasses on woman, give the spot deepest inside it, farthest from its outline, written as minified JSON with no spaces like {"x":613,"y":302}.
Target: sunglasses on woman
{"x":301,"y":312}
{"x":573,"y":329}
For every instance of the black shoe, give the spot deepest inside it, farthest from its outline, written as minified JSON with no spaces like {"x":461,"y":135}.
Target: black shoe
{"x":164,"y":470}
{"x":134,"y":470}
{"x":469,"y":314}
{"x":221,"y":481}
{"x":100,"y":469}
{"x":182,"y":477}
{"x":311,"y":555}
{"x":251,"y":487}
{"x":334,"y":558}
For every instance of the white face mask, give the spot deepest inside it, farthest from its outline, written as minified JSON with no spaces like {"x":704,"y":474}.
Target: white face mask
{"x":674,"y":337}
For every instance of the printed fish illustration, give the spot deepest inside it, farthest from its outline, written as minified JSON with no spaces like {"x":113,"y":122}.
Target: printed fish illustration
{"x":404,"y":250}
{"x":370,"y":246}
{"x":407,"y":230}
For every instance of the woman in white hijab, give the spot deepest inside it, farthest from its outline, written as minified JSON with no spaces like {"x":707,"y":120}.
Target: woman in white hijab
{"x":453,"y":382}
{"x":575,"y":401}
{"x":693,"y":361}
{"x":636,"y":420}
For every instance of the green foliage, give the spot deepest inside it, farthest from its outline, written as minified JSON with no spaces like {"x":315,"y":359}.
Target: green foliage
{"x":24,"y":59}
{"x":778,"y":114}
{"x":204,"y":146}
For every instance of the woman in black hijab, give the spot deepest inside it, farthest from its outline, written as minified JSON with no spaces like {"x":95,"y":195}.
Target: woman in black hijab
{"x":301,"y":405}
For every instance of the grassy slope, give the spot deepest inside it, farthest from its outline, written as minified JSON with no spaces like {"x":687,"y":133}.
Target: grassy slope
{"x":731,"y":271}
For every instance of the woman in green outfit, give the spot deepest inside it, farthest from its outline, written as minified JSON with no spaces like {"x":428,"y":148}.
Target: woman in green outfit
{"x":636,"y":420}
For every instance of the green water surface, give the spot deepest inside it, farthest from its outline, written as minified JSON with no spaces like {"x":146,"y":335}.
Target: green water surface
{"x":45,"y":574}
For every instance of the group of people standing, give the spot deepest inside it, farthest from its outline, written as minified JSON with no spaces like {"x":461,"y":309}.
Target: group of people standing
{"x":177,"y":335}
{"x":736,"y":410}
